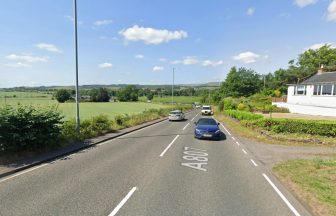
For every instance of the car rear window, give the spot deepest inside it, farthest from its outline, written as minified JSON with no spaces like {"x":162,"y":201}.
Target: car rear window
{"x":206,"y":121}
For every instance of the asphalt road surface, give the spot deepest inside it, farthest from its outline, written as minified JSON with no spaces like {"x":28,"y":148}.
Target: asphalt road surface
{"x":158,"y":170}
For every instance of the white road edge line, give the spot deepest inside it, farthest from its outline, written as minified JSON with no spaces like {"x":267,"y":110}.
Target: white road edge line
{"x":226,"y":129}
{"x":281,"y":195}
{"x":166,"y":149}
{"x":21,"y":173}
{"x":120,"y":205}
{"x":238,"y":144}
{"x":186,"y":126}
{"x":254,"y":163}
{"x":244,"y":151}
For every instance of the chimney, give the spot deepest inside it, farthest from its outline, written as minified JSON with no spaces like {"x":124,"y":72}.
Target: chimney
{"x":320,"y":71}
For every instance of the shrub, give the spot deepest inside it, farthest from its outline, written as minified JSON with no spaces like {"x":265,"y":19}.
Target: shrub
{"x":242,"y":115}
{"x":62,"y":95}
{"x":29,"y":128}
{"x":221,"y":106}
{"x":229,"y":104}
{"x":301,"y":126}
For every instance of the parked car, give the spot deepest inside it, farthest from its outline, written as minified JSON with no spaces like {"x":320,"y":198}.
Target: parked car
{"x":207,"y":110}
{"x":207,"y":128}
{"x":176,"y":115}
{"x":198,"y":106}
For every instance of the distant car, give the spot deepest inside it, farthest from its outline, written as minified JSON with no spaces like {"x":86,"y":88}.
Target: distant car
{"x":207,"y":128}
{"x":198,"y":106}
{"x":176,"y":115}
{"x":206,"y":110}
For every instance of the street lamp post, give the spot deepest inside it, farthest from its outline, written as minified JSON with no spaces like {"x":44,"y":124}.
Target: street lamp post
{"x":76,"y":56}
{"x":173,"y":86}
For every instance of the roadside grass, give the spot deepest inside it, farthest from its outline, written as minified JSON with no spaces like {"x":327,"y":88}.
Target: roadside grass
{"x":313,"y":181}
{"x":177,"y":99}
{"x":273,"y":138}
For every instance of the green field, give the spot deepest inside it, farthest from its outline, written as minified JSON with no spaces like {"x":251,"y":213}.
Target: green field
{"x":87,"y":109}
{"x":177,"y":99}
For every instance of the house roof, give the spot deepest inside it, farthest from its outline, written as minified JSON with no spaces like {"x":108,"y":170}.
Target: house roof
{"x":325,"y":77}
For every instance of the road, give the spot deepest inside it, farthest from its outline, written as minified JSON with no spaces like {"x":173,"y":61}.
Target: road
{"x":158,"y":170}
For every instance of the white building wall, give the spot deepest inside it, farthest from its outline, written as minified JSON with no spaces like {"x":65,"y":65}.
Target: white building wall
{"x":309,"y":110}
{"x":309,"y":99}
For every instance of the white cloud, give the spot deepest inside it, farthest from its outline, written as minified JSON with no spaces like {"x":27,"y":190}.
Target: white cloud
{"x":27,"y":58}
{"x":48,"y":47}
{"x":102,"y":22}
{"x":186,"y":61}
{"x":266,"y":56}
{"x":304,"y":3}
{"x":162,"y":59}
{"x":207,"y":63}
{"x":246,"y":57}
{"x":139,"y":56}
{"x":319,"y":45}
{"x":105,"y":65}
{"x":332,"y":11}
{"x":250,"y":11}
{"x":18,"y":65}
{"x":151,"y":35}
{"x":158,"y":68}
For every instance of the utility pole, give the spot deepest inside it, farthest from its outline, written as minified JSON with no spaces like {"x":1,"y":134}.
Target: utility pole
{"x":209,"y":96}
{"x":264,"y":81}
{"x":173,"y":86}
{"x":76,"y":56}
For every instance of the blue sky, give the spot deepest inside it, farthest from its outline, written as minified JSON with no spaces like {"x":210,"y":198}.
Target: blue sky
{"x":139,"y":42}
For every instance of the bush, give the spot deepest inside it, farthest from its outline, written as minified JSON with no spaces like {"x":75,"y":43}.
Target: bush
{"x":62,"y":95}
{"x":29,"y":128}
{"x":221,"y":106}
{"x":229,"y":104}
{"x":242,"y":115}
{"x":301,"y":126}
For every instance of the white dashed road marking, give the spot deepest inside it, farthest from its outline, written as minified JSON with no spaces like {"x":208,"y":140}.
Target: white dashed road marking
{"x":186,"y":126}
{"x":120,"y":205}
{"x":172,"y":142}
{"x":244,"y":151}
{"x":238,"y":143}
{"x":254,"y":163}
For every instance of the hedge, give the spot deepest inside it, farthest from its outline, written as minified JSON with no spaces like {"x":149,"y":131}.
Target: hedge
{"x":301,"y":126}
{"x":28,"y":128}
{"x":242,"y":115}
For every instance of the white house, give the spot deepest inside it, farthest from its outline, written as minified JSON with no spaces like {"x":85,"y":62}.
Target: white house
{"x":314,"y":96}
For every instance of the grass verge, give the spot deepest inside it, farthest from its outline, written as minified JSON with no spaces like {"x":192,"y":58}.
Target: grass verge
{"x":313,"y":181}
{"x":273,"y":138}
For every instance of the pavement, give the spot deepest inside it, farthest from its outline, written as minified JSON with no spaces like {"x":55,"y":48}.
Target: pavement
{"x":157,"y":170}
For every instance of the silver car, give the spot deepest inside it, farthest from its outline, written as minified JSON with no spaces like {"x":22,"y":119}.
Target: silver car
{"x":176,"y":115}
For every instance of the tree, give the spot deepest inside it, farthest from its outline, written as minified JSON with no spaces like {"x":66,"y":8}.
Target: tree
{"x":311,"y":59}
{"x":128,"y":93}
{"x":62,"y":95}
{"x":150,"y":96}
{"x":241,"y":82}
{"x":99,"y":95}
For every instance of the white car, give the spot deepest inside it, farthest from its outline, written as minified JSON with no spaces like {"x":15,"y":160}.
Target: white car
{"x":176,"y":115}
{"x":207,"y":110}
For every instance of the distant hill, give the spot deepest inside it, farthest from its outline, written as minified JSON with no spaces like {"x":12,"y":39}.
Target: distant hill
{"x":111,"y":86}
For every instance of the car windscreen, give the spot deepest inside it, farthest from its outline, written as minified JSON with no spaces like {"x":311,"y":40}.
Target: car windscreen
{"x":206,"y":121}
{"x":206,"y":108}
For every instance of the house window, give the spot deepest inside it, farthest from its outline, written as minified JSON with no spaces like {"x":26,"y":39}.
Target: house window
{"x":300,"y":90}
{"x":317,"y":89}
{"x":327,"y":89}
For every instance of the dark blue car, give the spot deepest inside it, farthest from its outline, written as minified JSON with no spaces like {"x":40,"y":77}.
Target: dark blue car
{"x":207,"y":128}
